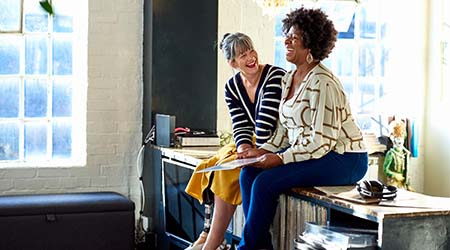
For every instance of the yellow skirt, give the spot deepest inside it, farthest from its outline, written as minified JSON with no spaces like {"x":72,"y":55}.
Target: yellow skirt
{"x":224,"y":184}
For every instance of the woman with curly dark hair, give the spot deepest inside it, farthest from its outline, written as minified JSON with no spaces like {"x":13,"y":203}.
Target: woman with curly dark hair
{"x":316,"y":143}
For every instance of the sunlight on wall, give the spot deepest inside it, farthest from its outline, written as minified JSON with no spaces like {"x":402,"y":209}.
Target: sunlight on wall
{"x":407,"y":36}
{"x":246,"y":17}
{"x":405,"y":73}
{"x":437,"y":129}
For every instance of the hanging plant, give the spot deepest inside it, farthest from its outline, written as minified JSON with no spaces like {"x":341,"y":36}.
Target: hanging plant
{"x":47,"y":6}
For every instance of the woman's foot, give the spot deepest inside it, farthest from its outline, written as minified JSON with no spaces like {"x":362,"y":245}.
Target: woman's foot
{"x":198,"y":244}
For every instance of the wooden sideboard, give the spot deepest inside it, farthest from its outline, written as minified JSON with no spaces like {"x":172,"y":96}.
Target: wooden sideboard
{"x":416,"y":222}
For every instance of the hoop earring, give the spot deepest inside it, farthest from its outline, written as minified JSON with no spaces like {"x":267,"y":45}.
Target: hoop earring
{"x":309,"y":58}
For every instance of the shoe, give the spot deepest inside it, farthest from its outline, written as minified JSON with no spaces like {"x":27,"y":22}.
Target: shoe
{"x":224,"y":246}
{"x":196,"y":247}
{"x":198,"y":244}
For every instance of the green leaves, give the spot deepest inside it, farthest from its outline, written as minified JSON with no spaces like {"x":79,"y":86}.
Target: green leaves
{"x":47,"y":6}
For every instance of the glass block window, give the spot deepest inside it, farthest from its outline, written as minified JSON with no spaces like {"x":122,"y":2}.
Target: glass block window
{"x":10,"y":15}
{"x":40,"y":124}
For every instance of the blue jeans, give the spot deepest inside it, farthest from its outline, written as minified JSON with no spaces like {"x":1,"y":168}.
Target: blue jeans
{"x":260,"y":189}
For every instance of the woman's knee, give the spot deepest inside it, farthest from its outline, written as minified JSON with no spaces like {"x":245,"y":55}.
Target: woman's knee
{"x":248,"y":174}
{"x":264,"y":184}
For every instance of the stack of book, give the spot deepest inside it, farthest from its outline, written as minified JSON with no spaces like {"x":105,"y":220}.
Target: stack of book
{"x":290,"y":219}
{"x":198,"y":140}
{"x":372,"y":143}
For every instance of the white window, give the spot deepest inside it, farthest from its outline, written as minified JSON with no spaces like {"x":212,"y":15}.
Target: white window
{"x":42,"y":83}
{"x":371,"y":56}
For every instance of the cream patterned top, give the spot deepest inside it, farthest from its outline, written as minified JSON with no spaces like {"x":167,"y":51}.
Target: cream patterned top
{"x":316,"y":120}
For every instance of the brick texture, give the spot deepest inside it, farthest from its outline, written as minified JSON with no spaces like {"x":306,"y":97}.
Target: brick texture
{"x":114,"y":110}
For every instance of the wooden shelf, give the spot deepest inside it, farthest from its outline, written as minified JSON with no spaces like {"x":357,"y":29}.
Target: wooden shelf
{"x":416,"y":222}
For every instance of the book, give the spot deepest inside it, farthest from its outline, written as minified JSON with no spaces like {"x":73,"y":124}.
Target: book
{"x":409,"y":199}
{"x":233,"y":164}
{"x":372,"y":144}
{"x":197,"y":141}
{"x":196,"y":138}
{"x":349,"y":193}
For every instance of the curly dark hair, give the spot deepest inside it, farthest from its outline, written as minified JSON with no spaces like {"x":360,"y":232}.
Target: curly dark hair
{"x":318,"y":32}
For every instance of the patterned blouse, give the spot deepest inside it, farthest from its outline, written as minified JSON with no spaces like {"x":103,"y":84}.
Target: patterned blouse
{"x":316,"y":120}
{"x":259,"y":118}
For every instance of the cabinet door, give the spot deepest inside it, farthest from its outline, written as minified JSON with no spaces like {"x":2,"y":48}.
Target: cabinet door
{"x":184,"y":57}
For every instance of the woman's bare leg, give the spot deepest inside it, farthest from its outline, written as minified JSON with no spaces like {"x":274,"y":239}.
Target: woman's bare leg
{"x":222,"y":215}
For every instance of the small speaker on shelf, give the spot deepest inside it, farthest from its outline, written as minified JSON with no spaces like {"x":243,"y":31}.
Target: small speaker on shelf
{"x":165,"y":125}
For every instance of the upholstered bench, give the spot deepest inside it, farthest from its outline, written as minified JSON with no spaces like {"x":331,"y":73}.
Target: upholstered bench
{"x":81,"y":221}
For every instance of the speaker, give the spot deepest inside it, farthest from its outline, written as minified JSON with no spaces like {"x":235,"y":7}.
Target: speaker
{"x":165,"y":125}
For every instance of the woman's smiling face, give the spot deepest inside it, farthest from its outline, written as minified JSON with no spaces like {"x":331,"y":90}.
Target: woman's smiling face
{"x":295,"y":51}
{"x":246,"y":62}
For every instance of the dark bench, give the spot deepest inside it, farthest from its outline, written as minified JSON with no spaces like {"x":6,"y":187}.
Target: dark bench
{"x":97,"y":221}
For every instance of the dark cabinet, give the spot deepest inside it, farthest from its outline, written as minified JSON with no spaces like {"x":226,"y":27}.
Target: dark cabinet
{"x":180,"y":78}
{"x":180,"y":61}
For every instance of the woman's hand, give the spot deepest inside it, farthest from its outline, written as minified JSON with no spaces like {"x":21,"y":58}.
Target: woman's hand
{"x":270,"y":160}
{"x":244,"y":147}
{"x":251,"y":153}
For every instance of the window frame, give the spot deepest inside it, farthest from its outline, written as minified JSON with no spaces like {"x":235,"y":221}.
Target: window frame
{"x":78,"y":84}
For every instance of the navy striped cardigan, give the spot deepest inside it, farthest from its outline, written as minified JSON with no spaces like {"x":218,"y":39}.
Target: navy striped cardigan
{"x":259,"y":118}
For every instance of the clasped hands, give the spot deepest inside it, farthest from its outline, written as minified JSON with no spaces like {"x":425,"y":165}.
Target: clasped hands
{"x":398,"y":177}
{"x":269,"y":160}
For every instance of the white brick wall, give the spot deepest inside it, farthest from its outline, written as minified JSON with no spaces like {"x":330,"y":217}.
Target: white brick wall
{"x":114,"y":116}
{"x":239,"y":16}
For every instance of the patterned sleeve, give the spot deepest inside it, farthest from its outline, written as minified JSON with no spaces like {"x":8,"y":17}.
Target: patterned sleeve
{"x":242,"y":126}
{"x":278,"y":141}
{"x":321,"y":137}
{"x":319,"y":121}
{"x":270,"y":95}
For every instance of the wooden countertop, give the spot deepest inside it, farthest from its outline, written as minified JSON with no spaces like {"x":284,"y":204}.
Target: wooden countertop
{"x":406,"y":204}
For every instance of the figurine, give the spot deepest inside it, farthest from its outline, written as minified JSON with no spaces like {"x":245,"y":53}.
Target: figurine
{"x":396,"y":162}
